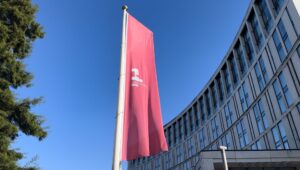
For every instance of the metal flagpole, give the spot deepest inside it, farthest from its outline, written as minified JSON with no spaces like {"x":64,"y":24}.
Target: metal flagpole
{"x":117,"y":162}
{"x":223,"y":148}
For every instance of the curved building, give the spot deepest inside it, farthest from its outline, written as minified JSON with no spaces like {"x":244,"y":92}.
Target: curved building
{"x":250,"y":104}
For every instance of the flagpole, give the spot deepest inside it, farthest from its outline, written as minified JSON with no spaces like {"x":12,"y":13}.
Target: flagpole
{"x":117,"y":162}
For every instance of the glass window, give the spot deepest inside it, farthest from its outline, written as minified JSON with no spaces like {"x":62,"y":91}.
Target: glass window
{"x":244,"y":97}
{"x":191,"y":117}
{"x":298,"y":107}
{"x":260,"y":117}
{"x":170,"y":136}
{"x":220,"y":88}
{"x":266,"y":16}
{"x":179,"y":154}
{"x":249,"y":47}
{"x":285,"y":89}
{"x":277,"y":5}
{"x":202,"y":110}
{"x":256,"y":146}
{"x":202,"y":138}
{"x":185,"y":122}
{"x":279,"y":96}
{"x":208,"y":108}
{"x":196,"y":114}
{"x":263,"y":69}
{"x":168,"y":160}
{"x":279,"y":47}
{"x":256,"y":31}
{"x":225,"y":141}
{"x":227,"y":82}
{"x":175,"y":132}
{"x":260,"y":80}
{"x":190,"y":147}
{"x":284,"y":36}
{"x":214,"y":127}
{"x":181,"y":130}
{"x":280,"y":137}
{"x":234,"y":70}
{"x":157,"y":164}
{"x":241,"y":59}
{"x":214,"y":97}
{"x":242,"y":134}
{"x":228,"y":114}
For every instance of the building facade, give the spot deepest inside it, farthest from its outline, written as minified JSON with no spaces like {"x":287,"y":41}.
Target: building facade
{"x":251,"y":104}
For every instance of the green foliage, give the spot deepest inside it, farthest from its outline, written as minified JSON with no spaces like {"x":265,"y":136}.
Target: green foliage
{"x":18,"y":30}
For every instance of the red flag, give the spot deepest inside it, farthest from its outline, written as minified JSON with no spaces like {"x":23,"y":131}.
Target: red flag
{"x":143,"y":133}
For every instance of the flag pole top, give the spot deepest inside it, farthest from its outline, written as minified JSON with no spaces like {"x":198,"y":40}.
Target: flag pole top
{"x":125,"y":7}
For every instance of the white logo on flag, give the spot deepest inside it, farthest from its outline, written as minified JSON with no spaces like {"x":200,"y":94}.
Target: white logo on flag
{"x":136,"y":80}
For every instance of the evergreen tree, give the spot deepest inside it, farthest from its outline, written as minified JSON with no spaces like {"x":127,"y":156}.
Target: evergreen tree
{"x":18,"y":30}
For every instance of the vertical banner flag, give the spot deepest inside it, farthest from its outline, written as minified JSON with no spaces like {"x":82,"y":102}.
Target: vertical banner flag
{"x":143,"y":133}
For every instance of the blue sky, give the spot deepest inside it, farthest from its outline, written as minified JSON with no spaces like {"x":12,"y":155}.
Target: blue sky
{"x":76,"y":69}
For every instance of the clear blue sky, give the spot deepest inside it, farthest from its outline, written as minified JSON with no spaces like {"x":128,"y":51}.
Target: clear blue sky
{"x":76,"y":69}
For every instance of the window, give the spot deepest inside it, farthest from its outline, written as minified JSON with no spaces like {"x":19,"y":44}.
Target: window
{"x":226,"y":140}
{"x":260,"y":117}
{"x":170,"y":136}
{"x":280,"y":137}
{"x":298,"y":107}
{"x":175,"y":132}
{"x":168,"y":160}
{"x":261,"y":73}
{"x":208,"y":108}
{"x":244,"y":97}
{"x":256,"y":146}
{"x":179,"y":154}
{"x":220,"y":88}
{"x":285,"y":89}
{"x":157,"y":164}
{"x":256,"y":31}
{"x":202,"y":138}
{"x":260,"y":80}
{"x":241,"y":59}
{"x":214,"y":127}
{"x":242,"y":134}
{"x":263,"y":69}
{"x":181,"y":129}
{"x":185,"y":121}
{"x":214,"y":97}
{"x":277,"y":5}
{"x":279,"y":89}
{"x":284,"y":36}
{"x":279,"y":96}
{"x":249,"y":46}
{"x":266,"y":16}
{"x":228,"y":115}
{"x":196,"y":114}
{"x":190,"y":147}
{"x":278,"y":45}
{"x":227,"y":81}
{"x":191,"y":117}
{"x":234,"y":70}
{"x":202,"y":110}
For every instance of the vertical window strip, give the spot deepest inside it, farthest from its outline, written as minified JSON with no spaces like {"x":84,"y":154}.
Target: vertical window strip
{"x":208,"y":106}
{"x":241,"y":59}
{"x":279,"y":96}
{"x":283,"y":135}
{"x":277,"y":5}
{"x":234,"y":70}
{"x":249,"y":47}
{"x":266,"y":16}
{"x":263,"y":69}
{"x":284,"y":36}
{"x":285,"y":89}
{"x":227,"y":82}
{"x":260,"y":80}
{"x":220,"y":88}
{"x":256,"y":31}
{"x":278,"y":46}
